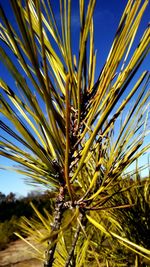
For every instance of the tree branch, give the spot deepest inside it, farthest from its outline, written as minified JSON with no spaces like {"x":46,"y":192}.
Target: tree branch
{"x":76,"y":235}
{"x":59,"y":209}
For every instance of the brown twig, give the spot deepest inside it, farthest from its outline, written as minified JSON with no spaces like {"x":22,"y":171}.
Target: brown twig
{"x":76,"y":235}
{"x":59,"y":209}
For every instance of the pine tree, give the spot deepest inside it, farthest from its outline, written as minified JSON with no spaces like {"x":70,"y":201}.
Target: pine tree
{"x":65,"y":134}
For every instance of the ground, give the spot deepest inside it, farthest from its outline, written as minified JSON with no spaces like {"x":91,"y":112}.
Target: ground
{"x":18,"y":255}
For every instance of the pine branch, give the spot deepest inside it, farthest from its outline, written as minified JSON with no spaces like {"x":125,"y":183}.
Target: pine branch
{"x":49,"y":253}
{"x":76,"y":235}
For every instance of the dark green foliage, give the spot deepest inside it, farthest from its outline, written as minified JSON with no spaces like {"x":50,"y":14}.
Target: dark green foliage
{"x":135,"y":220}
{"x":21,"y":207}
{"x":12,"y":209}
{"x":7,"y":229}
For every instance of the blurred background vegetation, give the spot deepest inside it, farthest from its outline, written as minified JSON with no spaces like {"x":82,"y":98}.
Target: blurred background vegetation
{"x":13,"y":208}
{"x":132,"y":222}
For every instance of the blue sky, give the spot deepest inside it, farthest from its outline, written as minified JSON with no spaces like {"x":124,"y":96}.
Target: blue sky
{"x":106,"y":18}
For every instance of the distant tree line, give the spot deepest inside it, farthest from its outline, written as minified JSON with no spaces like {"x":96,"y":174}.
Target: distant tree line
{"x":13,"y":208}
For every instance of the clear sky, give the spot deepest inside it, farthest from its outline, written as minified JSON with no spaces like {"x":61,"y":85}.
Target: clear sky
{"x":106,"y":18}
